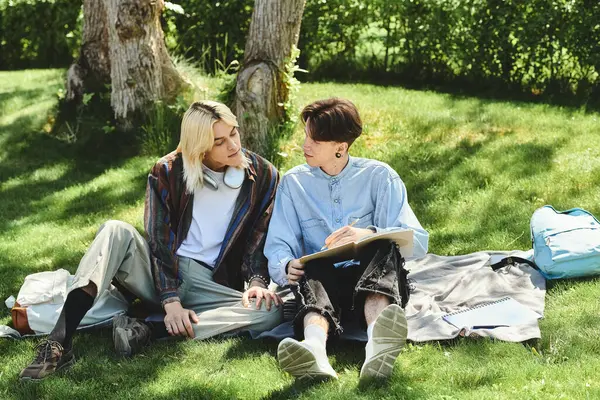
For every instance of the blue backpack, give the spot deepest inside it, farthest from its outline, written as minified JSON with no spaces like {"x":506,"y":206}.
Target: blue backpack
{"x":566,"y":244}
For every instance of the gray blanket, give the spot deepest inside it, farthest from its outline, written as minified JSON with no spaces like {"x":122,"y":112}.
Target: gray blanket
{"x":443,"y":285}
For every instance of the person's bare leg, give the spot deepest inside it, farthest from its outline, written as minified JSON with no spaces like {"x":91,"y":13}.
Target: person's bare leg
{"x":386,"y":332}
{"x":313,"y":318}
{"x":374,"y":305}
{"x":91,"y":289}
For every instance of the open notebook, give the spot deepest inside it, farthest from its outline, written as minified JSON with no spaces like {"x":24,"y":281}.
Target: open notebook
{"x":504,"y":312}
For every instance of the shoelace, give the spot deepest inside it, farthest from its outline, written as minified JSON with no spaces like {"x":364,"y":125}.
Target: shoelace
{"x":140,"y":332}
{"x":45,"y":349}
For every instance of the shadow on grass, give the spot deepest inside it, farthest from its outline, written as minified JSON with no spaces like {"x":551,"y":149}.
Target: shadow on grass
{"x":488,"y":89}
{"x":245,"y":347}
{"x":400,"y":385}
{"x":295,"y":390}
{"x":97,"y":368}
{"x":24,"y":95}
{"x":37,"y":166}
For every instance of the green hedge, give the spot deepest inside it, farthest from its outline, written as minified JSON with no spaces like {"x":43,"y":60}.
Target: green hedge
{"x":39,"y":33}
{"x":535,"y":46}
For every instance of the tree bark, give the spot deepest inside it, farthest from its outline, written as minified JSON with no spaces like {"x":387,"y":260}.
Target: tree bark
{"x":92,"y":70}
{"x":123,"y":44}
{"x":261,"y":89}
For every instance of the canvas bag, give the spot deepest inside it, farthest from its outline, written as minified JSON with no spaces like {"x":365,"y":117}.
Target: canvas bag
{"x":49,"y":287}
{"x":41,"y":299}
{"x":566,"y":244}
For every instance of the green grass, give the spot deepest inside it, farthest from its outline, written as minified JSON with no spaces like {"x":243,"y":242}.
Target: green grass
{"x":475,"y":171}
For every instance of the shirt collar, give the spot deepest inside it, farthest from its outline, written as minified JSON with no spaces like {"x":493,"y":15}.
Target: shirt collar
{"x":318,"y":172}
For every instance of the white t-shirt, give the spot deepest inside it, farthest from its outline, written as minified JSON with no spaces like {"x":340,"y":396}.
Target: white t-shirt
{"x":211,"y":216}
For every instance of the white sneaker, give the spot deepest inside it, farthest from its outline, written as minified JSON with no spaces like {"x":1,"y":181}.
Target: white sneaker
{"x":301,"y":361}
{"x":389,"y":336}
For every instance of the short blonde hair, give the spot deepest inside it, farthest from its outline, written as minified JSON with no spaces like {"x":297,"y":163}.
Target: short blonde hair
{"x":198,"y":136}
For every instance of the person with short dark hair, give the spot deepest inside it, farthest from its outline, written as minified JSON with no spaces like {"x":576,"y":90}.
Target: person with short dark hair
{"x":332,"y":200}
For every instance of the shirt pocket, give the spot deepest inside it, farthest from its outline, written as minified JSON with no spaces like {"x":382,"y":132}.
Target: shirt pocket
{"x":312,"y":223}
{"x":364,"y":220}
{"x":314,"y":233}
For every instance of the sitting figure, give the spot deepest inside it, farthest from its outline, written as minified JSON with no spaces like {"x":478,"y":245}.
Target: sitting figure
{"x":332,"y":200}
{"x":207,"y":209}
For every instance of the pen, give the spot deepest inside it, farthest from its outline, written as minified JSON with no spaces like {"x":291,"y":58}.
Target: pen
{"x":350,"y":225}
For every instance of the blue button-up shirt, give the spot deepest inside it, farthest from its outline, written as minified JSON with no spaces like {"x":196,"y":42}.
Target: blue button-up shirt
{"x":310,"y":205}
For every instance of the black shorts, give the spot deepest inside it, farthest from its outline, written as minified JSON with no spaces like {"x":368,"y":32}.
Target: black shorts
{"x":339,"y":293}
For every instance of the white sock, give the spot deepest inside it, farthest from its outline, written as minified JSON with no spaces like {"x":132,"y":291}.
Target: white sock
{"x":369,"y":346}
{"x":370,"y":330}
{"x":316,"y":337}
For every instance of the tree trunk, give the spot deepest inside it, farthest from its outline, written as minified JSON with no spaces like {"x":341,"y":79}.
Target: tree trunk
{"x":123,"y":44}
{"x":92,"y":70}
{"x":261,"y":89}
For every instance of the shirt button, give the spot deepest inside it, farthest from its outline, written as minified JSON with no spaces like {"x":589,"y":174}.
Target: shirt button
{"x":338,"y":220}
{"x":334,"y":181}
{"x":336,"y":200}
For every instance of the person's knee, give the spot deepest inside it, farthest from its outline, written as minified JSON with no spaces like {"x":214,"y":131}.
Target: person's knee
{"x":269,"y":319}
{"x":114,"y":226}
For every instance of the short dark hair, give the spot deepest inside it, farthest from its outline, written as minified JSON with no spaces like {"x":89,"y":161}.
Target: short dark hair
{"x":332,"y":120}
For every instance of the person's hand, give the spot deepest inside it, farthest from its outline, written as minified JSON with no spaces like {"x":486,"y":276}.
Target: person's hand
{"x":259,"y":294}
{"x":295,"y":270}
{"x":345,"y":235}
{"x":178,"y":320}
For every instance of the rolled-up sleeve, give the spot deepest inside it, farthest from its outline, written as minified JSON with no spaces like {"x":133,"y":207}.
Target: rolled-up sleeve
{"x":392,"y":212}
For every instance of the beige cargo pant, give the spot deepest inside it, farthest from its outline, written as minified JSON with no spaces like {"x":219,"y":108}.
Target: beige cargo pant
{"x":120,"y":252}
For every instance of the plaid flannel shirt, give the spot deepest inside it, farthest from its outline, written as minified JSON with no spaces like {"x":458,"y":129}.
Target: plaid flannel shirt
{"x":168,"y":215}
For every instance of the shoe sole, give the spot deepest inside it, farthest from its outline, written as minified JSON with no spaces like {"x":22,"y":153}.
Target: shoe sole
{"x":300,"y":362}
{"x":120,"y":339}
{"x":390,"y":330}
{"x":57,"y":370}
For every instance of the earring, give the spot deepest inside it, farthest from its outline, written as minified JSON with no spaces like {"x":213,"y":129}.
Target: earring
{"x":338,"y":155}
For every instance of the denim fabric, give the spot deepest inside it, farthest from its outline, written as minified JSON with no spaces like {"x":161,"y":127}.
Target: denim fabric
{"x":339,"y":293}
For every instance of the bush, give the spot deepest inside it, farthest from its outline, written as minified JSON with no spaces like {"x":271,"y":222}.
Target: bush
{"x":536,"y":46}
{"x":210,"y":33}
{"x":39,"y":33}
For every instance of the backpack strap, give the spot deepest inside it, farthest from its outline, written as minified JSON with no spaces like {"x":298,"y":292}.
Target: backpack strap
{"x":512,"y":261}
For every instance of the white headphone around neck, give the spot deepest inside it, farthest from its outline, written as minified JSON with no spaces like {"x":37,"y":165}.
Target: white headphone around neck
{"x":234,"y":178}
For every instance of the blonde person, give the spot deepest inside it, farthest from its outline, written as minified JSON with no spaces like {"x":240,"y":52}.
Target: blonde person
{"x":208,"y":205}
{"x":331,"y":200}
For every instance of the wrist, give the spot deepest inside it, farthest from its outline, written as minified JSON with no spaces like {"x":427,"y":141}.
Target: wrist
{"x":172,"y":306}
{"x":257,"y":280}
